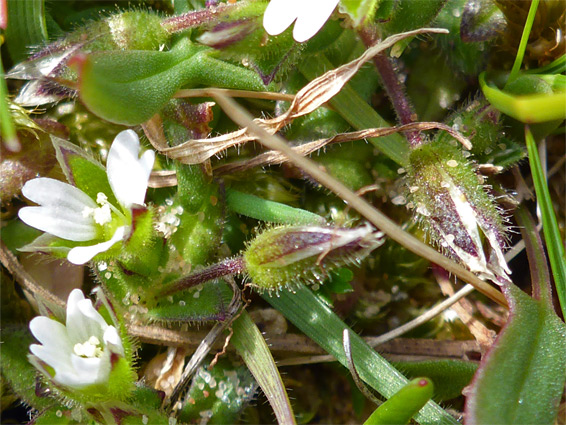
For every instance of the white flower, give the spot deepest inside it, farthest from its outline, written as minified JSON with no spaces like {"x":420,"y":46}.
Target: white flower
{"x":68,"y":213}
{"x":310,"y":15}
{"x":80,"y":352}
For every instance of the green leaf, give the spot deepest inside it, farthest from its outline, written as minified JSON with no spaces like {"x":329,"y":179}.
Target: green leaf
{"x":407,"y":16}
{"x":532,"y":108}
{"x":404,"y":404}
{"x":450,"y":376}
{"x":522,"y":378}
{"x":26,"y":27}
{"x":201,"y":202}
{"x":359,"y":11}
{"x":265,"y":210}
{"x":7,"y":127}
{"x":552,"y":237}
{"x":312,"y":316}
{"x":17,"y":370}
{"x":129,"y":87}
{"x":252,"y":347}
{"x":201,"y":303}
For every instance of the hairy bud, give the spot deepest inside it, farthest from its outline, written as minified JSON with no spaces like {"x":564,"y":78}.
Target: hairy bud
{"x":282,"y":256}
{"x":454,"y":208}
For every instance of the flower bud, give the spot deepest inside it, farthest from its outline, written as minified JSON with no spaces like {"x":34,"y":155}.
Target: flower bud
{"x":453,"y":206}
{"x":282,"y":256}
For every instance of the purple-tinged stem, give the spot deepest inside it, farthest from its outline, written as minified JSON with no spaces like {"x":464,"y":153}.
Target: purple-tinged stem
{"x":224,"y":268}
{"x":393,"y":86}
{"x":193,"y":19}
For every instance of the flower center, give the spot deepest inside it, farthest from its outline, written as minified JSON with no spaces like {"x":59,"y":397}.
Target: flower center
{"x":89,"y":349}
{"x":101,"y":215}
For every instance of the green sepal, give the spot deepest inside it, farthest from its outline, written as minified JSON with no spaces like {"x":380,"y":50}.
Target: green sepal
{"x":204,"y":302}
{"x":359,"y":11}
{"x":403,"y":404}
{"x":144,"y":252}
{"x":218,"y":394}
{"x":57,"y":415}
{"x":83,"y":171}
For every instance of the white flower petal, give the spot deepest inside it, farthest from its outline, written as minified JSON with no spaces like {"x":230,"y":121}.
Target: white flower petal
{"x":83,"y":321}
{"x":91,"y":370}
{"x":50,"y":333}
{"x":113,"y":341}
{"x":59,"y":222}
{"x":50,"y":192}
{"x":83,"y":254}
{"x":58,"y":360}
{"x":280,"y":14}
{"x":312,"y":18}
{"x":127,"y":173}
{"x":61,"y":210}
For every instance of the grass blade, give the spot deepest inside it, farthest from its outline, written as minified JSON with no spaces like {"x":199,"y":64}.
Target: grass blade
{"x":312,"y":316}
{"x":552,"y":238}
{"x":252,"y":347}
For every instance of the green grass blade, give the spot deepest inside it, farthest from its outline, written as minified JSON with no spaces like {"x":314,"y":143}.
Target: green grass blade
{"x":252,"y":347}
{"x":7,"y":128}
{"x":524,"y":40}
{"x":552,"y":238}
{"x":312,"y":316}
{"x":265,"y":210}
{"x":26,"y":27}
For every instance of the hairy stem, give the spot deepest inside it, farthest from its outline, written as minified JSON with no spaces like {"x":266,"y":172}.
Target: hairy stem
{"x":227,"y":267}
{"x":393,"y":87}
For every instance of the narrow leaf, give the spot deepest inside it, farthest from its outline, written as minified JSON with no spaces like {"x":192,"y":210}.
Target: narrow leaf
{"x":532,"y":108}
{"x":26,"y":27}
{"x":312,"y":316}
{"x":522,"y":378}
{"x":265,"y":210}
{"x":252,"y":347}
{"x":404,"y":404}
{"x":553,"y":241}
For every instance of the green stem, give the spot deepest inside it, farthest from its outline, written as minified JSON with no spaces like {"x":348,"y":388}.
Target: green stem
{"x":264,"y":210}
{"x":550,"y":228}
{"x":524,"y":40}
